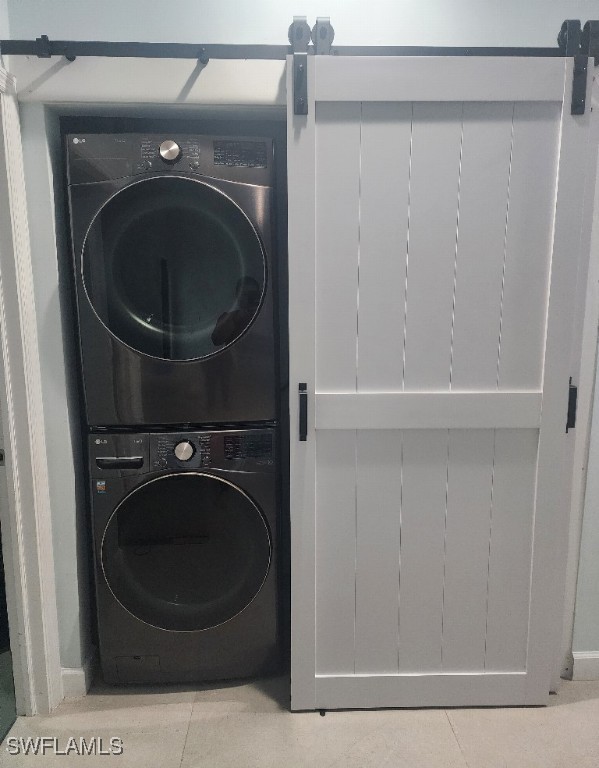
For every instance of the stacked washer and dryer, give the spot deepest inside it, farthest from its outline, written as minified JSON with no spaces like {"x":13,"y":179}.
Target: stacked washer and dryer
{"x":173,"y":254}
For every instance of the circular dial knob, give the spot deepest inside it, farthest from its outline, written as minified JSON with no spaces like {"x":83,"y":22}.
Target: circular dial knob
{"x":184,"y":450}
{"x":169,"y":151}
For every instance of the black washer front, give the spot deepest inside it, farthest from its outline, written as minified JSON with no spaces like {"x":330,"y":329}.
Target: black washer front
{"x":174,"y":268}
{"x":186,"y":552}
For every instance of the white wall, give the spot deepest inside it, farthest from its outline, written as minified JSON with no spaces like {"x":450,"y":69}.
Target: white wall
{"x":379,"y":22}
{"x":585,"y":644}
{"x":55,"y":322}
{"x":4,"y":31}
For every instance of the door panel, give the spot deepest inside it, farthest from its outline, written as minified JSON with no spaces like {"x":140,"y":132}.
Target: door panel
{"x":510,"y":549}
{"x":487,"y":132}
{"x":423,"y":321}
{"x":335,"y":532}
{"x":528,"y":244}
{"x":378,"y":531}
{"x":337,"y":233}
{"x":385,"y":137}
{"x":423,"y":501}
{"x":434,"y":189}
{"x":470,"y":479}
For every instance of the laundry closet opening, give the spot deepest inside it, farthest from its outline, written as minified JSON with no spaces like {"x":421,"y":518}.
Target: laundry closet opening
{"x":150,"y":289}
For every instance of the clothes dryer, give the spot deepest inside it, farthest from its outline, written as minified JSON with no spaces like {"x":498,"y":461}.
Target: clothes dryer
{"x":173,"y":259}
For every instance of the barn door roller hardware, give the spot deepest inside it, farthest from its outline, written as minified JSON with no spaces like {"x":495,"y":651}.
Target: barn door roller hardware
{"x":299,"y":37}
{"x":580,"y":43}
{"x":322,"y":35}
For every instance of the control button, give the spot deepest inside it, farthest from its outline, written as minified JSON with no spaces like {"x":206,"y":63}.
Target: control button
{"x":184,"y":450}
{"x":194,"y":165}
{"x":169,"y":151}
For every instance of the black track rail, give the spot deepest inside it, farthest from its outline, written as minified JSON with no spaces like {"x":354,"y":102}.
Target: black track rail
{"x":45,"y":48}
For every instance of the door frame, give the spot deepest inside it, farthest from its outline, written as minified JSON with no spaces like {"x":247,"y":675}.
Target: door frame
{"x":26,"y":520}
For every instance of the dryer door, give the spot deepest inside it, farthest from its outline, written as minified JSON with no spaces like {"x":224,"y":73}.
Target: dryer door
{"x":186,"y":552}
{"x":174,"y":268}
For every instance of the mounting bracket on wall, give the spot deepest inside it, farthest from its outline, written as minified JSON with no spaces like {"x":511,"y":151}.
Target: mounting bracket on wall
{"x":579,"y":43}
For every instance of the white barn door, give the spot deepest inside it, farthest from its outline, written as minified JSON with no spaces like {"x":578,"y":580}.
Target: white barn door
{"x":434,"y":234}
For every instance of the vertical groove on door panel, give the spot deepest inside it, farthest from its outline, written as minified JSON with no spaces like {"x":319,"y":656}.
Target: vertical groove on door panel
{"x":510,"y":550}
{"x":378,"y":496}
{"x":436,"y":138}
{"x":489,"y":529}
{"x":335,"y":551}
{"x":397,"y":625}
{"x":337,"y":220}
{"x":528,"y":245}
{"x":405,"y":308}
{"x":507,"y":218}
{"x":359,"y":247}
{"x":455,"y":258}
{"x":445,"y":539}
{"x":384,"y":180}
{"x":484,"y":179}
{"x":470,"y":469}
{"x":356,"y":539}
{"x":422,"y":534}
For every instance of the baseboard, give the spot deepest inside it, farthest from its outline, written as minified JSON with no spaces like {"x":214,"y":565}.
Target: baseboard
{"x":76,"y":681}
{"x":586,"y":665}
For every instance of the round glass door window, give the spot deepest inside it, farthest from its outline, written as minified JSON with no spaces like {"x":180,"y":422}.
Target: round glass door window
{"x":174,"y":268}
{"x":186,"y":552}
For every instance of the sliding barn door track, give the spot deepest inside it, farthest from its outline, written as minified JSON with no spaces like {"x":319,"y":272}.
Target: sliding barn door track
{"x":574,"y":40}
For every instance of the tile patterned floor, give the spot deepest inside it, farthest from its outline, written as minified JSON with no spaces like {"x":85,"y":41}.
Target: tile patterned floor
{"x":249,"y":726}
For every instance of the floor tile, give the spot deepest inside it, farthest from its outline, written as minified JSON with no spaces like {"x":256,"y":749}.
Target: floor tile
{"x":338,"y":740}
{"x":562,"y":735}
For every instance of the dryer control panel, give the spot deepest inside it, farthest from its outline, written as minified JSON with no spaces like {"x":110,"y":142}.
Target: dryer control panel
{"x":94,"y":157}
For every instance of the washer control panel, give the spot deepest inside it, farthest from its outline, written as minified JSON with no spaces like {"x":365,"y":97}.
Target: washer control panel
{"x":175,"y":451}
{"x":229,"y":450}
{"x":248,"y":446}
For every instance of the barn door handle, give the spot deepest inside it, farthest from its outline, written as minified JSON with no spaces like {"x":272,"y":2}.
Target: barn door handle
{"x":303,"y":412}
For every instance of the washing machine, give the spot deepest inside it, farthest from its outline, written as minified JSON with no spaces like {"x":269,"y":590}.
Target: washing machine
{"x":172,"y":248}
{"x":185,"y":552}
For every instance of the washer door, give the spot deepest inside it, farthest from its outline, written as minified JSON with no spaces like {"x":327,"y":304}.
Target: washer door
{"x":186,"y":552}
{"x":174,"y":268}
